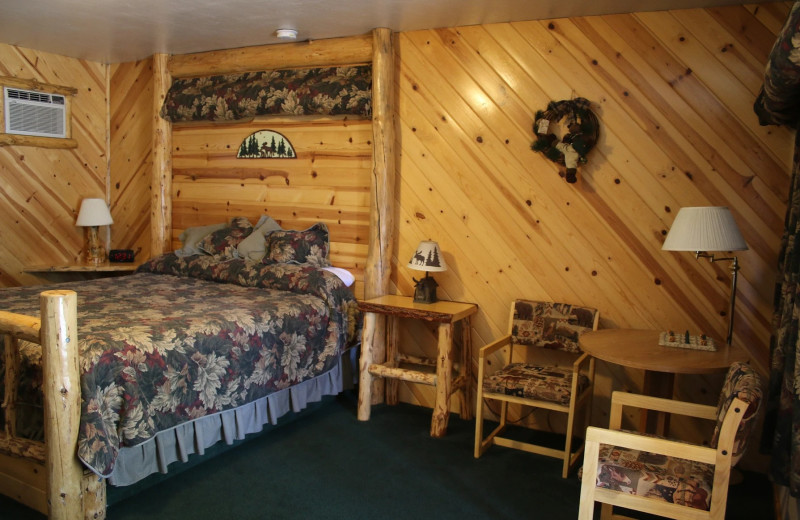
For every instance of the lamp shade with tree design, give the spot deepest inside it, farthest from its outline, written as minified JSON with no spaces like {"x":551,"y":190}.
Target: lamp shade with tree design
{"x":428,"y":257}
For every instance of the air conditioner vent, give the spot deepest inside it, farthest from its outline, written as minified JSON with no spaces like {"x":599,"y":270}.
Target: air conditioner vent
{"x":28,"y":112}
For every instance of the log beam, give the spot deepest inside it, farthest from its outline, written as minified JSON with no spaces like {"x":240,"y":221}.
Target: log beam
{"x":316,"y":53}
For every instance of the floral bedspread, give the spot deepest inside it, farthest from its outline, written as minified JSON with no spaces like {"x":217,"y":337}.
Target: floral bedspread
{"x":188,"y":337}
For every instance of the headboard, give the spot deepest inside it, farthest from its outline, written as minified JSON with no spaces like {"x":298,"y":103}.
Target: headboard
{"x":343,"y":175}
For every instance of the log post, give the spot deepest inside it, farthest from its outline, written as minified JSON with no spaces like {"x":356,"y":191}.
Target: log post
{"x":444,"y":381}
{"x":379,"y":255}
{"x":161,"y":178}
{"x":11,"y":384}
{"x":382,"y":186}
{"x":62,"y":404}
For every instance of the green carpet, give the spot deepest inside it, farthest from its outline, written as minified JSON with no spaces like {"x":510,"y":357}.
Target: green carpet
{"x":328,"y":465}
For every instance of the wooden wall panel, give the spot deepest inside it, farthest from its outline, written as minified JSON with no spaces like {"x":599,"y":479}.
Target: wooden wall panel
{"x":131,"y":109}
{"x":41,"y":188}
{"x":674,"y":93}
{"x":327,"y":182}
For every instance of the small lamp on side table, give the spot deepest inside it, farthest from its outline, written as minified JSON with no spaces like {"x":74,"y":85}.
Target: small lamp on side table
{"x":94,"y":213}
{"x":704,"y":230}
{"x":428,"y":258}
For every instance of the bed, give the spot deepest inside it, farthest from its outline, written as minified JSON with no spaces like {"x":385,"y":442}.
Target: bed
{"x":188,"y":351}
{"x":48,"y":476}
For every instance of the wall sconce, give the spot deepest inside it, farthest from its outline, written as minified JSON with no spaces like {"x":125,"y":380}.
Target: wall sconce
{"x":428,"y":258}
{"x":704,"y":229}
{"x":94,"y":213}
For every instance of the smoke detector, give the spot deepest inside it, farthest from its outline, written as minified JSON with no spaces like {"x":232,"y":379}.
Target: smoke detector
{"x":286,"y":34}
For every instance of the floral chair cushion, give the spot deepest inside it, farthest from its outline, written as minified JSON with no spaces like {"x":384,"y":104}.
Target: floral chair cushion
{"x":552,"y":384}
{"x":674,"y":480}
{"x":551,"y":325}
{"x":743,"y":382}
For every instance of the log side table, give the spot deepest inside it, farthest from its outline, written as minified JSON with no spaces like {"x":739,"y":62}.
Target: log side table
{"x":435,"y":372}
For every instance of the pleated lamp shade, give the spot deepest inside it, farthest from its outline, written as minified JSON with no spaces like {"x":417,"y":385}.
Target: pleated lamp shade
{"x":705,"y":228}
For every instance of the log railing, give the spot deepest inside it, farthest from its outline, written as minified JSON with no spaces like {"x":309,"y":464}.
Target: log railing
{"x":48,"y":476}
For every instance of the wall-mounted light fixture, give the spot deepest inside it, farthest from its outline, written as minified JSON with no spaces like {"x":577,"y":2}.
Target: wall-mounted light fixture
{"x":704,"y":230}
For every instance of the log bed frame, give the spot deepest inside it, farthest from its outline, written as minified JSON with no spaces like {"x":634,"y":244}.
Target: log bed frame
{"x":48,"y":476}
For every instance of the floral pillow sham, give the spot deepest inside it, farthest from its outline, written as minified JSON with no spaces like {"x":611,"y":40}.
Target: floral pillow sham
{"x":310,"y":246}
{"x":223,"y":242}
{"x":267,"y":241}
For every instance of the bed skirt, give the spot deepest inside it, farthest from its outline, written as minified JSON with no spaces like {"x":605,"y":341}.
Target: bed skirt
{"x":176,"y":444}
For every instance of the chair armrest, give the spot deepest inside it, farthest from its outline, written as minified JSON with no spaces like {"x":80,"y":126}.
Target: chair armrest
{"x":583,"y":358}
{"x":494,"y":346}
{"x":651,"y":444}
{"x":660,"y":404}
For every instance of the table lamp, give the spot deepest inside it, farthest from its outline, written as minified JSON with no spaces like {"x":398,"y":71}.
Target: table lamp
{"x":94,"y":213}
{"x":708,"y":229}
{"x":428,"y":258}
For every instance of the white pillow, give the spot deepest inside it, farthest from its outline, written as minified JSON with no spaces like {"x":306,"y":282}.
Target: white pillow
{"x":345,"y":275}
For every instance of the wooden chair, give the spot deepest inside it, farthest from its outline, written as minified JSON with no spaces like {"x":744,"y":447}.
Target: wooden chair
{"x":536,"y":326}
{"x":670,"y":478}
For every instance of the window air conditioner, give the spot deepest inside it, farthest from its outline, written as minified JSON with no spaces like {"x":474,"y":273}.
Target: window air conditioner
{"x":28,"y":112}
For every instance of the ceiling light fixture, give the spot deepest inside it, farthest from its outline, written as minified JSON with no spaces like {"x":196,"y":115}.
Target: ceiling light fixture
{"x":286,"y":34}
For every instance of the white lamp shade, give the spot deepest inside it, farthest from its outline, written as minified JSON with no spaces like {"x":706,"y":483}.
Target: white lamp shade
{"x":94,"y":212}
{"x":428,"y":257}
{"x":706,"y":228}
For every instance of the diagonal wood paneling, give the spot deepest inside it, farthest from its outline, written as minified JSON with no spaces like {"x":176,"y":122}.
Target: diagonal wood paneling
{"x":673,"y":90}
{"x":131,"y":109}
{"x":41,"y":189}
{"x":674,"y":93}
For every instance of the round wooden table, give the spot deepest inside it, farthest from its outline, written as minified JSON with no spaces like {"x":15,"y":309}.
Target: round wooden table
{"x":640,"y":349}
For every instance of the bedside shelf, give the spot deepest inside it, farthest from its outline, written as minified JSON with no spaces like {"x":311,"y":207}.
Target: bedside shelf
{"x":108,"y":267}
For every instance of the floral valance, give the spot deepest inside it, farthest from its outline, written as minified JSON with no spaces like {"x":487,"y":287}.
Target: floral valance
{"x":325,"y":91}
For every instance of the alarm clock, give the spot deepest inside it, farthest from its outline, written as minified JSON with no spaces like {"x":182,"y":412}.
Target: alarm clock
{"x":120,"y":255}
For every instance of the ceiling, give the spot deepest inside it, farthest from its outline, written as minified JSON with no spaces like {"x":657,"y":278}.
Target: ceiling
{"x":114,"y":31}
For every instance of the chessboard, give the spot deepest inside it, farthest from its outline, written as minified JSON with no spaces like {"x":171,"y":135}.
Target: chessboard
{"x":678,"y":340}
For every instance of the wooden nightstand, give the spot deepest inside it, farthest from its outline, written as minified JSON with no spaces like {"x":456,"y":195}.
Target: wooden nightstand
{"x":436,"y":372}
{"x":108,"y":267}
{"x":74,"y":272}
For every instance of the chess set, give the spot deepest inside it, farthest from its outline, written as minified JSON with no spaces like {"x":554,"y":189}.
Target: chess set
{"x":686,"y":340}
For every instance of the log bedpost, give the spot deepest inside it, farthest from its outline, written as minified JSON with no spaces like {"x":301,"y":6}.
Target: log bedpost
{"x":161,"y":178}
{"x":62,"y":405}
{"x":382,"y":187}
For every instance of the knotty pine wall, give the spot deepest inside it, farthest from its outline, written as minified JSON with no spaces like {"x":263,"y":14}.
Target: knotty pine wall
{"x":327,"y":182}
{"x":673,"y":91}
{"x":40,"y":188}
{"x":131,"y":136}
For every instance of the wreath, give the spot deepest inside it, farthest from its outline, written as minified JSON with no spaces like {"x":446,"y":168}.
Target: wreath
{"x":583,"y":130}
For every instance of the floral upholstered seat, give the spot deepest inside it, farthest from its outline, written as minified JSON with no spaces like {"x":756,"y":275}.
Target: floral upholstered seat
{"x":674,"y":480}
{"x":552,"y":384}
{"x":659,"y":473}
